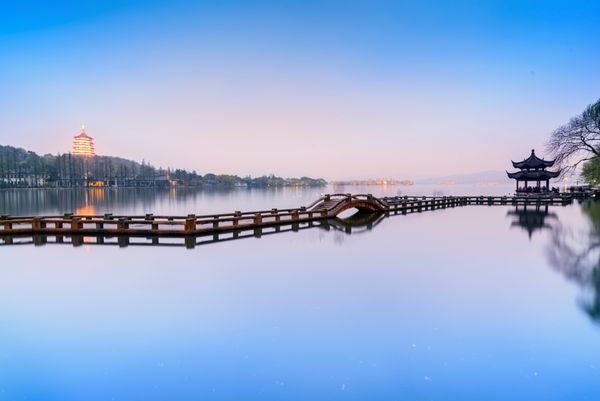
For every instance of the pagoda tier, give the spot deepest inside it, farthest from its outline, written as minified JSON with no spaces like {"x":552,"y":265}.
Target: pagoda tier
{"x":83,"y":145}
{"x":533,"y":175}
{"x":533,"y":162}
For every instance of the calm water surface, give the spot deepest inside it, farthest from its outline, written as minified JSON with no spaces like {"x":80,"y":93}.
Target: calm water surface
{"x":469,"y":303}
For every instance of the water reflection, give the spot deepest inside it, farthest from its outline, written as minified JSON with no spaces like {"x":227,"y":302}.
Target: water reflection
{"x":181,"y":200}
{"x":576,"y":254}
{"x":92,"y":200}
{"x":571,"y":250}
{"x":531,"y":218}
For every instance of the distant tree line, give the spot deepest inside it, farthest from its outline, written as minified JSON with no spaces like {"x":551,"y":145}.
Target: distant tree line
{"x":22,"y":168}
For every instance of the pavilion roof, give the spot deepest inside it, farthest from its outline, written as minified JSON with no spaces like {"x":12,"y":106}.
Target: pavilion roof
{"x":533,"y":175}
{"x":533,"y":162}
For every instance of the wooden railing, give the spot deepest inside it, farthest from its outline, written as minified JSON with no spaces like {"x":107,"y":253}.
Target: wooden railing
{"x":149,"y":224}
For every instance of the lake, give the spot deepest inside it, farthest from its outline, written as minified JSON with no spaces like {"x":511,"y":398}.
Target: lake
{"x":467,"y":303}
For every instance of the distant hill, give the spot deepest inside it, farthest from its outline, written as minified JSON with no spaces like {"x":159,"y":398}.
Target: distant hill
{"x":23,"y":168}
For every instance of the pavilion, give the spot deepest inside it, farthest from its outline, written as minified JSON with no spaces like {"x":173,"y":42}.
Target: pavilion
{"x":533,"y":170}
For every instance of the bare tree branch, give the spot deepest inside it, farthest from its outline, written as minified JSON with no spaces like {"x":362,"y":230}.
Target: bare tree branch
{"x":576,"y":141}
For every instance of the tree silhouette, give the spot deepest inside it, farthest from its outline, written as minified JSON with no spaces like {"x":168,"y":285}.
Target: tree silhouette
{"x":578,"y":140}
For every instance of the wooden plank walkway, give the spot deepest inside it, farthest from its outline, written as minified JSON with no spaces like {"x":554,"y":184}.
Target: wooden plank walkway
{"x":326,"y":207}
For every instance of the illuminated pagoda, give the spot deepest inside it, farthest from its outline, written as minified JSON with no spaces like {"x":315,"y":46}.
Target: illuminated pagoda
{"x":83,"y":145}
{"x":533,"y":170}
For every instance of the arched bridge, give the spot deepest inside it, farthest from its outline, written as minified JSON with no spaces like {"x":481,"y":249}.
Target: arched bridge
{"x":337,"y":203}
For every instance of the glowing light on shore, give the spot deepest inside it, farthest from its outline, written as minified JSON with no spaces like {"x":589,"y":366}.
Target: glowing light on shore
{"x":88,"y":210}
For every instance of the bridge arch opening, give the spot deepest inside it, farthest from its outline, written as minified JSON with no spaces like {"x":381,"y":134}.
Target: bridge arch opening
{"x":361,"y":206}
{"x":348,"y":213}
{"x":359,"y":219}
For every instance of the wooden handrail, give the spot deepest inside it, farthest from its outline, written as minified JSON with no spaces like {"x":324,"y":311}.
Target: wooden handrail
{"x":194,"y":224}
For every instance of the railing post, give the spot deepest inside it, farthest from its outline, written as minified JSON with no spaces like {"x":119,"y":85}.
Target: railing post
{"x":36,"y":224}
{"x":122,"y":224}
{"x":236,"y":218}
{"x":7,"y":224}
{"x":75,"y":223}
{"x":215,"y":222}
{"x":190,"y":223}
{"x":257,"y":219}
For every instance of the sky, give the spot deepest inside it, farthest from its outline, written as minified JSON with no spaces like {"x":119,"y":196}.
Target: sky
{"x":332,"y":89}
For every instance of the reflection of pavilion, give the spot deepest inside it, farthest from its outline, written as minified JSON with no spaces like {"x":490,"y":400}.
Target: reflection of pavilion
{"x":531,"y":218}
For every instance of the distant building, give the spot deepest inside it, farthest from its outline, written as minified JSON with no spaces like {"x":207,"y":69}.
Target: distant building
{"x":83,"y":145}
{"x":533,"y":171}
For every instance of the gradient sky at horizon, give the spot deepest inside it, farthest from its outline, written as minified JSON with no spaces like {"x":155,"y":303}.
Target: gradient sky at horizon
{"x":337,"y":89}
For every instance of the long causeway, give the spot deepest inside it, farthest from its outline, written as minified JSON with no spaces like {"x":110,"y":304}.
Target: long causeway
{"x":325,"y":208}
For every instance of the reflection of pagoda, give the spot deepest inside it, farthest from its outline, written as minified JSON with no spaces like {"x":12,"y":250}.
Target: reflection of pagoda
{"x":532,"y":218}
{"x":83,"y":145}
{"x":533,"y":169}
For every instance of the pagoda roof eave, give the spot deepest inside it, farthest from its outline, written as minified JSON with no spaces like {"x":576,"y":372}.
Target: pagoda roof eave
{"x":528,"y":175}
{"x":533,"y":162}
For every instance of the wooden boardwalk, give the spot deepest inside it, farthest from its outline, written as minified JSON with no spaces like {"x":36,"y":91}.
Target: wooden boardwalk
{"x":324,"y":208}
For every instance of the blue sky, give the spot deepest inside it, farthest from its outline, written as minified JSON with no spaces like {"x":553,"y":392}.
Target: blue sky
{"x":339,"y":89}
